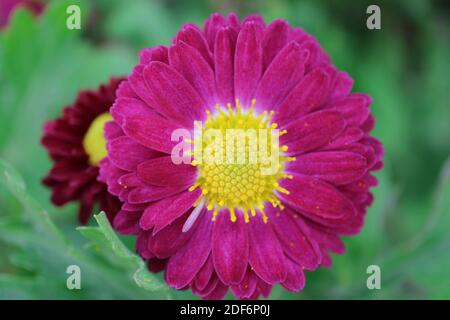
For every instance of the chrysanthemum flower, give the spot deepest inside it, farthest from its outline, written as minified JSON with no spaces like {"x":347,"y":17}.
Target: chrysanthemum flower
{"x":220,"y":226}
{"x":76,"y":143}
{"x":7,"y":7}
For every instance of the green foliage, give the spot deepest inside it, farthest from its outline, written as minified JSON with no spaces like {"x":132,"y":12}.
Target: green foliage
{"x":41,"y":253}
{"x":104,"y":238}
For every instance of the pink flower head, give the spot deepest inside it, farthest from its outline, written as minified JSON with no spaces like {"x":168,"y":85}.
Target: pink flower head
{"x":219,"y":226}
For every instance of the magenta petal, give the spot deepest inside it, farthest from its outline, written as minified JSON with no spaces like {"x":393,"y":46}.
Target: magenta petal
{"x":230,"y":247}
{"x":174,"y":97}
{"x":190,"y":63}
{"x":316,"y":55}
{"x":336,"y":167}
{"x":126,"y":91}
{"x":184,"y":265}
{"x":312,"y":131}
{"x":212,"y":26}
{"x":133,"y":207}
{"x":112,"y":130}
{"x":127,"y":222}
{"x":342,"y":86}
{"x":246,"y":287}
{"x":346,"y":138}
{"x":127,"y":154}
{"x":355,"y":108}
{"x":224,"y":64}
{"x":275,"y":37}
{"x":204,"y":275}
{"x":263,"y":288}
{"x":308,"y":95}
{"x":209,"y":288}
{"x":281,"y":76}
{"x":142,"y":242}
{"x":369,"y":124}
{"x":139,"y":86}
{"x":163,"y":172}
{"x":159,"y":53}
{"x":361,"y":185}
{"x":377,"y":147}
{"x":314,"y":197}
{"x":295,"y":279}
{"x":159,"y":214}
{"x":151,"y":131}
{"x":256,"y":19}
{"x":248,"y":62}
{"x":218,"y":293}
{"x":144,"y":194}
{"x":296,"y":244}
{"x":191,"y":35}
{"x":125,"y":107}
{"x":167,"y":241}
{"x":329,"y":241}
{"x":266,"y":255}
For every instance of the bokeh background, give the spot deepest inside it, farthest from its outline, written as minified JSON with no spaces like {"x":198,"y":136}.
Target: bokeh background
{"x":405,"y":67}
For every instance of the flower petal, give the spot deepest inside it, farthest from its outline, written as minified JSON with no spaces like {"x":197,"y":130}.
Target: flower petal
{"x":355,"y":108}
{"x":159,"y":53}
{"x":204,"y":275}
{"x":160,"y":214}
{"x":151,"y":131}
{"x":230,"y":247}
{"x":173,"y":95}
{"x":285,"y":71}
{"x":346,"y":138}
{"x":186,"y":263}
{"x":248,"y":62}
{"x":266,"y":255}
{"x":308,"y":95}
{"x":312,"y":131}
{"x":169,"y":240}
{"x":212,"y":26}
{"x":315,"y":198}
{"x":126,"y":154}
{"x":336,"y":167}
{"x":190,"y":63}
{"x":224,"y":64}
{"x":296,"y":244}
{"x":246,"y":287}
{"x":342,"y":85}
{"x":163,"y":172}
{"x":147,"y":193}
{"x":127,"y":222}
{"x":275,"y":38}
{"x":295,"y":279}
{"x":125,"y":107}
{"x":191,"y":35}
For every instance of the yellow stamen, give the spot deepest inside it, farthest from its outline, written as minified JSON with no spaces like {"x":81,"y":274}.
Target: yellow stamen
{"x":239,"y":186}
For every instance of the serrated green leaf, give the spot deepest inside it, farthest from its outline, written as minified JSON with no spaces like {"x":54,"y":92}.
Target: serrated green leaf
{"x":104,"y":233}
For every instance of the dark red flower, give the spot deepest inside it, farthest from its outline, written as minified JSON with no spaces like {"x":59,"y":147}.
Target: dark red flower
{"x":76,"y":143}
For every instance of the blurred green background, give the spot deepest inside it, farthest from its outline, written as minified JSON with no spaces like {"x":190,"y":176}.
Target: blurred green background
{"x":405,"y":67}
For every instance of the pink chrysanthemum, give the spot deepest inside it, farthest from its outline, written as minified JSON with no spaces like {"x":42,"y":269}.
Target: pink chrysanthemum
{"x":7,"y":7}
{"x":214,"y":227}
{"x":76,"y":144}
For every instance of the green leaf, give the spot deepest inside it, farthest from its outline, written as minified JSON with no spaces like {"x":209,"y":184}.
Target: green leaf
{"x":105,"y":237}
{"x":41,"y":253}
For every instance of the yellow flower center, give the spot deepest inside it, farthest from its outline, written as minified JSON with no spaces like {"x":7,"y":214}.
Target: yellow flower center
{"x":242,"y":170}
{"x":94,"y":142}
